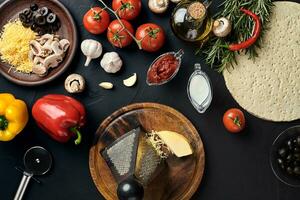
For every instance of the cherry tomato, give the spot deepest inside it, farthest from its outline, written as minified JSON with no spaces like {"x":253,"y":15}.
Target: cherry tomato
{"x":117,"y":35}
{"x":96,"y":20}
{"x":127,"y":9}
{"x":234,"y":120}
{"x":152,"y":37}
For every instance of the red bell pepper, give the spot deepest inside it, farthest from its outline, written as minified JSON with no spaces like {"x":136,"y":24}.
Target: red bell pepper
{"x":60,"y":116}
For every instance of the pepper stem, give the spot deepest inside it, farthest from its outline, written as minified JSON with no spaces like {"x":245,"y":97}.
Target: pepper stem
{"x":77,"y":132}
{"x":3,"y":123}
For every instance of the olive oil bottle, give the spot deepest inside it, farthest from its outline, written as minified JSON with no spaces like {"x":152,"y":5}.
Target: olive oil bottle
{"x":190,"y":21}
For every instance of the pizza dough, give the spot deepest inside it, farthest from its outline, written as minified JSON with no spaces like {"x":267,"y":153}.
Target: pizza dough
{"x":269,"y":87}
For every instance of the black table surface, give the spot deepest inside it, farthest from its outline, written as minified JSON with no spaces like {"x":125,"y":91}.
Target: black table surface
{"x":237,"y":166}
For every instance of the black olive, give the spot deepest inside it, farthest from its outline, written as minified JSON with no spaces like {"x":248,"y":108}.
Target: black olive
{"x":51,"y":18}
{"x":34,"y":27}
{"x":39,"y":20}
{"x":298,"y":141}
{"x":297,"y":156}
{"x":297,"y":150}
{"x":280,"y":161}
{"x":282,"y":166}
{"x":22,"y":17}
{"x":27,"y":11}
{"x":290,"y":144}
{"x":289,"y":170}
{"x":56,"y":26}
{"x":289,"y":158}
{"x":43,"y":11}
{"x":34,"y":7}
{"x":297,"y":171}
{"x":282,"y":152}
{"x":296,"y":163}
{"x":130,"y":189}
{"x":27,"y":25}
{"x":42,"y":31}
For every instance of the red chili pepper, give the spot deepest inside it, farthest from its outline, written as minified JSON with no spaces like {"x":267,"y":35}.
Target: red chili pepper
{"x":59,"y":116}
{"x":253,"y":38}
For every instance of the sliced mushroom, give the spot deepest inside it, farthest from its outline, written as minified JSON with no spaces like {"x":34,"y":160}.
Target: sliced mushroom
{"x":46,"y":50}
{"x":35,"y":47}
{"x":31,"y":56}
{"x":158,"y":6}
{"x":65,"y":44}
{"x":74,"y":83}
{"x":43,"y":39}
{"x":39,"y":67}
{"x":56,"y":48}
{"x":53,"y":61}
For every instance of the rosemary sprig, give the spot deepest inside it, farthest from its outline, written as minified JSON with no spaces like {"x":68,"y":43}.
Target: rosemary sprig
{"x":220,"y":58}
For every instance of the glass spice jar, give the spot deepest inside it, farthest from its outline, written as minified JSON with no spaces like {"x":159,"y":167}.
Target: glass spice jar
{"x":191,"y":22}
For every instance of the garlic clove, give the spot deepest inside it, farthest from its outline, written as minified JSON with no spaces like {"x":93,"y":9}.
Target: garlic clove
{"x":129,"y":82}
{"x":106,"y":85}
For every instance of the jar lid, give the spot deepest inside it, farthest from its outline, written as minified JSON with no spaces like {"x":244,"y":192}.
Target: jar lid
{"x":197,"y":10}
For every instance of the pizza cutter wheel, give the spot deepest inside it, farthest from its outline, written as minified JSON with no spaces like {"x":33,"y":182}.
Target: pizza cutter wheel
{"x":37,"y":161}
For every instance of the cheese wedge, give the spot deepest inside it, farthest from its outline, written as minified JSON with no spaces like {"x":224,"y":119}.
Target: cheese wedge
{"x":176,"y":142}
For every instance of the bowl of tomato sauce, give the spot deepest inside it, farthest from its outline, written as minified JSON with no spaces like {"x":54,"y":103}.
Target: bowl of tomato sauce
{"x":164,"y":68}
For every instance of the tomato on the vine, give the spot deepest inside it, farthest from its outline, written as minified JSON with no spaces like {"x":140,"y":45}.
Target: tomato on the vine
{"x":152,"y":37}
{"x":127,"y":9}
{"x":96,"y":20}
{"x":234,"y":120}
{"x":117,"y":35}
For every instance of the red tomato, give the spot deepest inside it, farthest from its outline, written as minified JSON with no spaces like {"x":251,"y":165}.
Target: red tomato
{"x":234,"y":120}
{"x":127,"y":9}
{"x":152,"y":37}
{"x":96,"y":20}
{"x":117,"y":35}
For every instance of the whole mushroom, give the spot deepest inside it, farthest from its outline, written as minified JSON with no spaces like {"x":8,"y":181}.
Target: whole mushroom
{"x":74,"y":83}
{"x":111,"y":62}
{"x":222,"y":27}
{"x":158,"y":6}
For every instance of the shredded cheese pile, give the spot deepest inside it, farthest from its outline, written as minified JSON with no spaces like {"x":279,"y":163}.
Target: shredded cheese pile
{"x":14,"y":46}
{"x":160,"y":147}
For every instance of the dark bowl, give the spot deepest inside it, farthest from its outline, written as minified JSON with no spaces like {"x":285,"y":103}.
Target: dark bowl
{"x":281,"y":175}
{"x":10,"y":9}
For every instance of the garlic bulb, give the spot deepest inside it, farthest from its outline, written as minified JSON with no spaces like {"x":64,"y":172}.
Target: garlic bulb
{"x":111,"y":62}
{"x":91,"y":49}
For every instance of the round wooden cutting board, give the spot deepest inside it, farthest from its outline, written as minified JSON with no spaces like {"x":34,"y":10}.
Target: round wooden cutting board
{"x":181,"y":176}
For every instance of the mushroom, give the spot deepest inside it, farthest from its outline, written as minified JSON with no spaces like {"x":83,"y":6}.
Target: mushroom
{"x":175,"y":1}
{"x":44,"y":38}
{"x":111,"y":62}
{"x":36,"y":47}
{"x":74,"y":83}
{"x":31,"y":56}
{"x":52,"y":61}
{"x":39,"y":67}
{"x":158,"y":6}
{"x":65,"y":44}
{"x":222,"y":27}
{"x":56,"y":47}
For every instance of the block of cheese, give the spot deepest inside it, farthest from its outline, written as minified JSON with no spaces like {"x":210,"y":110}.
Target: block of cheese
{"x":176,"y":142}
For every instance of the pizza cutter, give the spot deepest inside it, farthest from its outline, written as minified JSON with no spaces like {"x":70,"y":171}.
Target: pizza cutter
{"x":37,"y":161}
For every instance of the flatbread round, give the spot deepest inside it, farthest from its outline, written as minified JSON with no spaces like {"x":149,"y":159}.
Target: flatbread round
{"x":269,"y":87}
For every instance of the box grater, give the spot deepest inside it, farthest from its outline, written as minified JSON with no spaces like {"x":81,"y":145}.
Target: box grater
{"x":121,"y":154}
{"x":147,"y":161}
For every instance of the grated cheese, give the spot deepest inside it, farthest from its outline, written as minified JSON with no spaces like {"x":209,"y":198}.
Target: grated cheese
{"x":14,"y":46}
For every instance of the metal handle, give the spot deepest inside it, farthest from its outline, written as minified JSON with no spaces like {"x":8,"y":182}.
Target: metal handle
{"x":23,"y":185}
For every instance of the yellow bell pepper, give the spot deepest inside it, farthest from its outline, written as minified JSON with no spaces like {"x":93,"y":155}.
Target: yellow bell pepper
{"x":13,"y":116}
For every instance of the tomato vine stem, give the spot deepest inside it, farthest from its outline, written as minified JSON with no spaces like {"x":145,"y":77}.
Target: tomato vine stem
{"x":138,"y":42}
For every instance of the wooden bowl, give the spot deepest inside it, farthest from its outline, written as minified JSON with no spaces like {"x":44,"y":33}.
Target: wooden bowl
{"x":10,"y":9}
{"x":182,"y":176}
